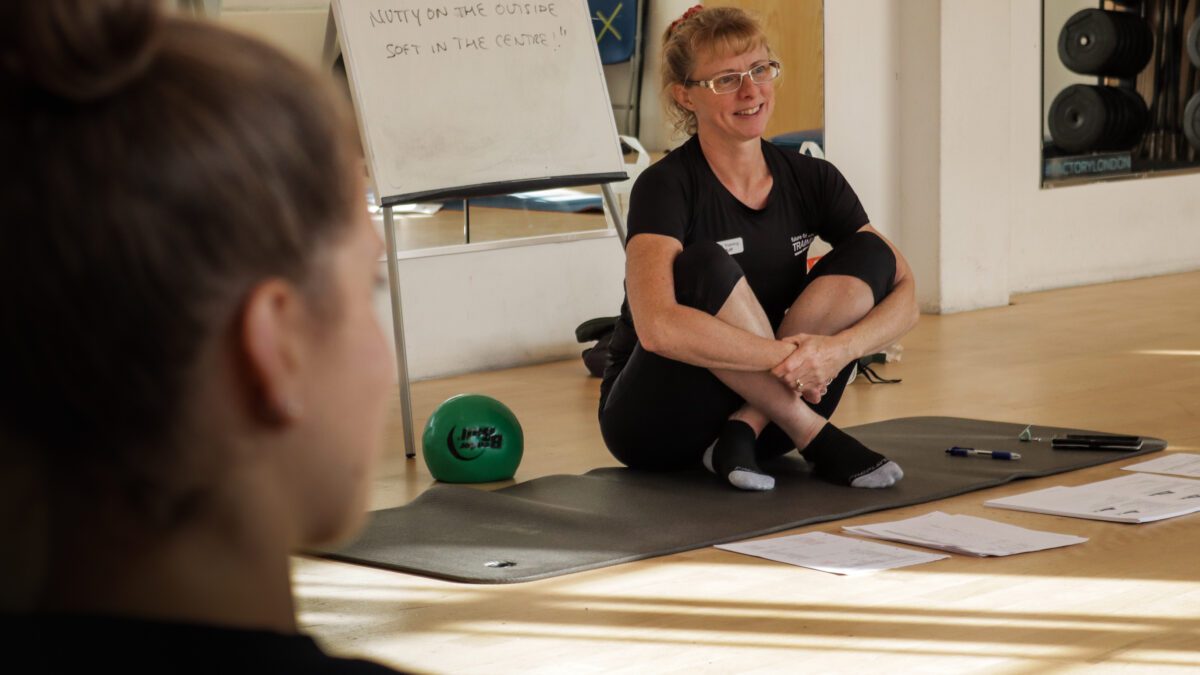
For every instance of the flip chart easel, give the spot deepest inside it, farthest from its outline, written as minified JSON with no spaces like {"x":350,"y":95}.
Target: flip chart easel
{"x":462,"y":99}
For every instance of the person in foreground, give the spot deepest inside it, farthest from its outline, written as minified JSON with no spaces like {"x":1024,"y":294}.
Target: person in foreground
{"x":728,"y":349}
{"x":194,"y":374}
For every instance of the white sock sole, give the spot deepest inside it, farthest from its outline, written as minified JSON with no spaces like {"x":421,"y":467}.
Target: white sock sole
{"x":749,"y":480}
{"x":884,"y":476}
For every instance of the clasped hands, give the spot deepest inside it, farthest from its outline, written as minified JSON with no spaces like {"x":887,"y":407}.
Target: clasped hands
{"x":812,"y":365}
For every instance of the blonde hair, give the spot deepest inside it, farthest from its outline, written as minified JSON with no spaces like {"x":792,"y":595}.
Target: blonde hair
{"x":721,"y":30}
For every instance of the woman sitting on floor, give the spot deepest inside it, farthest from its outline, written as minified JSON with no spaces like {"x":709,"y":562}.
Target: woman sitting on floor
{"x":728,"y":349}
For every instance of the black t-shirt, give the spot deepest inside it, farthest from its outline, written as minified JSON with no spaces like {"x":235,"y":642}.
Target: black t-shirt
{"x":679,"y":196}
{"x":75,"y":643}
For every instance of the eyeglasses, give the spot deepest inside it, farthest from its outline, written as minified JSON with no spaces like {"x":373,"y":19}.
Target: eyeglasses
{"x":731,"y":82}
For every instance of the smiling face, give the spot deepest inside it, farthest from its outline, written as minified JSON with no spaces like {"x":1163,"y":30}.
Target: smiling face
{"x":739,"y":116}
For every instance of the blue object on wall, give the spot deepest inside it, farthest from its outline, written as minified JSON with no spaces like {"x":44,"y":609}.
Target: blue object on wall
{"x":792,"y":140}
{"x":615,"y":23}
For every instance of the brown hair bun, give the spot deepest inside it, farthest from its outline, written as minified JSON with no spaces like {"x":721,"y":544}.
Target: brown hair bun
{"x":79,"y":50}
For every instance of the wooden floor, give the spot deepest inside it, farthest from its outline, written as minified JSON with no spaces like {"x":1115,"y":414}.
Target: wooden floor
{"x":1121,"y":357}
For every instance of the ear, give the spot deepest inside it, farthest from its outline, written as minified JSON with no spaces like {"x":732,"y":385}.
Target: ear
{"x":682,"y":96}
{"x":271,"y":338}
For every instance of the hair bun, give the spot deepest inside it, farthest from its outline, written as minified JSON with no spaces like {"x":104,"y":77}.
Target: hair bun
{"x":80,"y":50}
{"x":689,"y":13}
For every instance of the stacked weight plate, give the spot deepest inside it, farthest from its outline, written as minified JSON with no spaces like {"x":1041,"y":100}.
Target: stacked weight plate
{"x":1089,"y":118}
{"x":1093,"y":118}
{"x":1105,"y":43}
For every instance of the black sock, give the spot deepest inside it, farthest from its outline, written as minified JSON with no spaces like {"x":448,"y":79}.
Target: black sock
{"x":732,"y":458}
{"x":839,"y":458}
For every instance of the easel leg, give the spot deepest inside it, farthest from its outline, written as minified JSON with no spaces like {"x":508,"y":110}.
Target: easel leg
{"x":614,"y":208}
{"x":393,"y":269}
{"x":466,"y":221}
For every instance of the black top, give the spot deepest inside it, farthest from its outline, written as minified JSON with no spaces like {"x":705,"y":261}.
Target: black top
{"x":680,"y":196}
{"x":70,"y":643}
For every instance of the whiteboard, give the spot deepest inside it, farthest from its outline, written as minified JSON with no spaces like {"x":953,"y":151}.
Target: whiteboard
{"x":460,"y":99}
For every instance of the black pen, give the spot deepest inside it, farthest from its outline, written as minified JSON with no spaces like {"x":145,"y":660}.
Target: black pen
{"x":958,"y":451}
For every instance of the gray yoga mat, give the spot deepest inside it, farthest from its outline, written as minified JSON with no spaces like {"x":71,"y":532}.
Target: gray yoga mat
{"x":556,"y":525}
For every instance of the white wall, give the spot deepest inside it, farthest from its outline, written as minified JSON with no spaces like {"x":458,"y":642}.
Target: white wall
{"x":958,"y":183}
{"x":294,"y":26}
{"x":919,"y":115}
{"x":975,"y":154}
{"x":862,"y":131}
{"x":488,"y":309}
{"x":882,"y":121}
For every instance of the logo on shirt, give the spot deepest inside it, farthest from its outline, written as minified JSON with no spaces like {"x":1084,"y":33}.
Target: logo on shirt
{"x":732,"y":246}
{"x":800,"y":243}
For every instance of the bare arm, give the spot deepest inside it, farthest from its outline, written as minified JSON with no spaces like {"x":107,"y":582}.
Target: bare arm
{"x":679,"y":332}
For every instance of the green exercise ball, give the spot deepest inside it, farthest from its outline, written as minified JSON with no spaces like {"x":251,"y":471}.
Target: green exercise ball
{"x":472,"y":438}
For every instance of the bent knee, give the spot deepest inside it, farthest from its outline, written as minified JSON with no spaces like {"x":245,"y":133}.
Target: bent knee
{"x":864,"y":256}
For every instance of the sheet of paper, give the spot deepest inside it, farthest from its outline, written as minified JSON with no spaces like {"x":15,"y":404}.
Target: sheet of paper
{"x":1149,"y":486}
{"x":831,"y":553}
{"x":965,"y":534}
{"x":1176,"y":464}
{"x":1136,"y":498}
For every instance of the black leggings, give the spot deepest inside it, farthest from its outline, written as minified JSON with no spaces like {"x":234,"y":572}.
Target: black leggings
{"x":661,"y":414}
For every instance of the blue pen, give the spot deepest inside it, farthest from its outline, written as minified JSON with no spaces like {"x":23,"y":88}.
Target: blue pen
{"x":957,"y":451}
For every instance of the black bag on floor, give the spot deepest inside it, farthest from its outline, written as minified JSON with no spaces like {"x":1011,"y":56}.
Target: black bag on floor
{"x":600,"y":330}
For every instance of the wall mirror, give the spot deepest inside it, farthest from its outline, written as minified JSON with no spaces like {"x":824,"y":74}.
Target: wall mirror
{"x":1120,"y":89}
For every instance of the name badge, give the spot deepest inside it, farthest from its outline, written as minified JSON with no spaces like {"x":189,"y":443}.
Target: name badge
{"x":733,"y":246}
